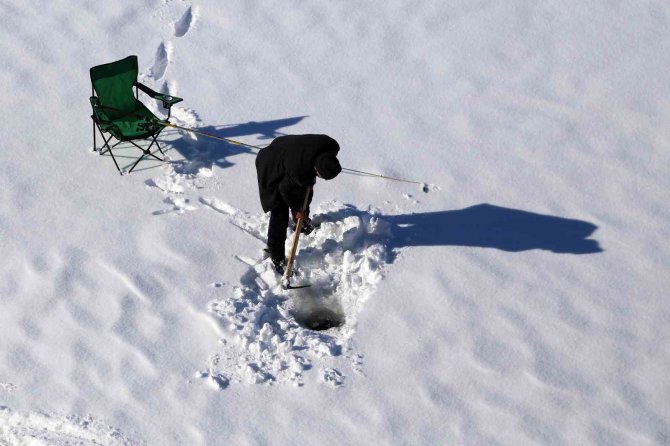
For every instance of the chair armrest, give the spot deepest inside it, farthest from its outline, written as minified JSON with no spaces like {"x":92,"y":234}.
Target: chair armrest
{"x":168,"y":101}
{"x":101,"y":117}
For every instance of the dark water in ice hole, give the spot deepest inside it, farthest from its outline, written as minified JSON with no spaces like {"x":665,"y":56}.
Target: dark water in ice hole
{"x":317,"y":309}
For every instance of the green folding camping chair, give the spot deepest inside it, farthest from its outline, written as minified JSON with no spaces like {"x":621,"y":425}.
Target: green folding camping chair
{"x":117,"y":111}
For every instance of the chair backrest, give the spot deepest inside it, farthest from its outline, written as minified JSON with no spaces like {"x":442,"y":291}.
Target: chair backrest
{"x":113,"y":84}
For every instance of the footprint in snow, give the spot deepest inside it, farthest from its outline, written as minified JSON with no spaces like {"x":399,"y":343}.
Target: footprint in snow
{"x":7,"y":387}
{"x":161,"y":60}
{"x":215,"y":380}
{"x":184,"y":24}
{"x":178,"y":205}
{"x":333,"y":377}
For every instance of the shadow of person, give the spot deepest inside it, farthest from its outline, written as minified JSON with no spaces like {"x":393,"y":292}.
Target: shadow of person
{"x":208,"y":152}
{"x":489,"y":226}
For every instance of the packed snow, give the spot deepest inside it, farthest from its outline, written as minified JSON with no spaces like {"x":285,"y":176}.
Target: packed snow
{"x":512,"y":292}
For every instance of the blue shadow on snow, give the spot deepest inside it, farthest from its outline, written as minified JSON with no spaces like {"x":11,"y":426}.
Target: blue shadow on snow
{"x":489,"y":226}
{"x":208,"y":152}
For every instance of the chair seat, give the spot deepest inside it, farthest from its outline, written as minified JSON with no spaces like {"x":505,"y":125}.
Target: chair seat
{"x":133,"y":125}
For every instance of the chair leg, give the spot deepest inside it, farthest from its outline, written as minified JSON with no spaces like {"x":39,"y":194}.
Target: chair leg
{"x":115,"y":163}
{"x":106,"y":146}
{"x":136,"y":163}
{"x":145,"y":152}
{"x":109,"y":149}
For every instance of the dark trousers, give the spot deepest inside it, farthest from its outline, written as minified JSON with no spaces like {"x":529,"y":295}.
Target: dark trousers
{"x":277,"y":229}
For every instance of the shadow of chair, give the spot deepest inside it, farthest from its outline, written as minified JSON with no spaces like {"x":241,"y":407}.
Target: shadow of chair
{"x":206,"y":152}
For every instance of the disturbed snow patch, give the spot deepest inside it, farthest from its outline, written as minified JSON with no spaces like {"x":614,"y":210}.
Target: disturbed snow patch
{"x":277,"y":335}
{"x":32,"y":428}
{"x":7,"y":387}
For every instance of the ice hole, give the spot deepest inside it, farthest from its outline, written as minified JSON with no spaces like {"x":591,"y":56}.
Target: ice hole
{"x":319,"y":319}
{"x":316,"y":309}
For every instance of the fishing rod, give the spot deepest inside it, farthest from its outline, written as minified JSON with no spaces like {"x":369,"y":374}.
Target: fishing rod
{"x":424,"y":186}
{"x":209,"y":135}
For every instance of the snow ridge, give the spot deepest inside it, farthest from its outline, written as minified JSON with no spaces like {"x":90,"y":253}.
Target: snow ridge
{"x":49,"y":430}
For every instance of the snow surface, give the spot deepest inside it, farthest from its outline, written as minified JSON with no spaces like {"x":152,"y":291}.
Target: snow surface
{"x":522,"y":301}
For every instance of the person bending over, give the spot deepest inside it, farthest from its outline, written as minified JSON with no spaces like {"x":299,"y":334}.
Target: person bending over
{"x":286,"y":169}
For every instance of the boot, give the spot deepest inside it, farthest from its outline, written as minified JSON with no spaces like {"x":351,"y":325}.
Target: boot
{"x":307,"y":226}
{"x":278,"y":261}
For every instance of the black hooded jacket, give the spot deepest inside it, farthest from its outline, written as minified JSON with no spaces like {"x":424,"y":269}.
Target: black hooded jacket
{"x":286,"y":167}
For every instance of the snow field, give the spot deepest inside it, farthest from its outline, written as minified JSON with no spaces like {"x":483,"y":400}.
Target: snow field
{"x":522,"y":301}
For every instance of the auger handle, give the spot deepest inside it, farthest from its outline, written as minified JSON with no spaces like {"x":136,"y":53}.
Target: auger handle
{"x":296,"y":237}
